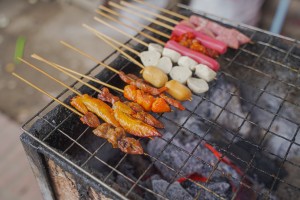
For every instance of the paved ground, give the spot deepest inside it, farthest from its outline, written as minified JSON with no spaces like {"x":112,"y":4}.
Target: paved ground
{"x":43,"y":23}
{"x":16,"y":178}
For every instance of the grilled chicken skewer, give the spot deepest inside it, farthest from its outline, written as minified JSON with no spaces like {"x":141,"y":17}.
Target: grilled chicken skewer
{"x":143,"y":101}
{"x":116,"y":136}
{"x":131,"y":79}
{"x":131,"y":108}
{"x":151,"y":74}
{"x":141,"y":85}
{"x":85,"y":103}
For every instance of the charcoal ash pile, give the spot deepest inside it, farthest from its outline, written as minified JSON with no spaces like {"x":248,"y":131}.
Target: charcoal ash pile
{"x":222,"y":182}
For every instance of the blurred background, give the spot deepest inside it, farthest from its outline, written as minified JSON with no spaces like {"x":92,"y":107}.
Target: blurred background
{"x":37,"y":26}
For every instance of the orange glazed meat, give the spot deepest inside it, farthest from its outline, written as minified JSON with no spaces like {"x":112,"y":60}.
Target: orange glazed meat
{"x":96,"y":106}
{"x":90,"y":119}
{"x":146,"y":100}
{"x":134,"y":126}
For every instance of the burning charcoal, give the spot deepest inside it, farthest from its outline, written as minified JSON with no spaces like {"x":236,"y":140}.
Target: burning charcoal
{"x":218,"y":98}
{"x":175,"y":191}
{"x":220,"y":187}
{"x":176,"y":158}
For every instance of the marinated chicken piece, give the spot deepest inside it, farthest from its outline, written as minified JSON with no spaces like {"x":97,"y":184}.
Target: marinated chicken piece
{"x":160,"y":106}
{"x":111,"y":134}
{"x":117,"y":137}
{"x":148,"y":119}
{"x":134,"y":126}
{"x":90,"y":119}
{"x":144,"y":100}
{"x":135,"y":106}
{"x":130,"y":146}
{"x":141,"y":115}
{"x":130,"y":92}
{"x":133,"y":109}
{"x":97,"y":107}
{"x":123,"y":107}
{"x":106,"y":96}
{"x":79,"y":105}
{"x":172,"y":102}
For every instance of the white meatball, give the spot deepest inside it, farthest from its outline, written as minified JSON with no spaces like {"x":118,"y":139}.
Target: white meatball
{"x":197,"y":85}
{"x":186,"y":61}
{"x":155,"y":47}
{"x":180,"y":74}
{"x":150,"y":58}
{"x":174,"y":55}
{"x":165,"y":64}
{"x":204,"y":72}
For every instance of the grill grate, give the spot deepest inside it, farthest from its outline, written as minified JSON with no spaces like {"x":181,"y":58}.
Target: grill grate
{"x":267,"y":69}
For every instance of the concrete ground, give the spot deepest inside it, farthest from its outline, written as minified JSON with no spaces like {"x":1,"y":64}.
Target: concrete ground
{"x":44,"y":24}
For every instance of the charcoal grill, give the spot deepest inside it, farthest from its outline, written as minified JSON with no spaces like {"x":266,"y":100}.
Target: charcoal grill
{"x":256,"y":91}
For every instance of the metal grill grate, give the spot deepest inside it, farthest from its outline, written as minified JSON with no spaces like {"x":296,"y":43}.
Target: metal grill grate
{"x":267,"y":69}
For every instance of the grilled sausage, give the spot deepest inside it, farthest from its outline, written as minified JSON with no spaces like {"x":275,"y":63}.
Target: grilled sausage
{"x":199,"y":57}
{"x":178,"y":91}
{"x":155,"y":76}
{"x":207,"y":41}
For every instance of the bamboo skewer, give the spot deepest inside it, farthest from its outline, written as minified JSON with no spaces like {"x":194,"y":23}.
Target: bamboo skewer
{"x":121,"y":51}
{"x":131,"y":27}
{"x":100,"y":35}
{"x":162,"y":9}
{"x":89,"y":56}
{"x":66,"y":71}
{"x":133,"y":21}
{"x":160,"y":41}
{"x":118,"y":30}
{"x":138,"y":8}
{"x":141,"y":16}
{"x":49,"y":76}
{"x":47,"y":94}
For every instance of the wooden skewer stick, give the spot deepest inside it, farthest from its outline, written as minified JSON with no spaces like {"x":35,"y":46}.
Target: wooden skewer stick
{"x":141,"y":16}
{"x":132,"y":28}
{"x":119,"y":30}
{"x":100,"y":35}
{"x":138,"y":8}
{"x":162,"y":9}
{"x":49,"y":76}
{"x":66,"y":70}
{"x":90,"y":57}
{"x":120,"y":51}
{"x":46,"y":93}
{"x":160,"y":41}
{"x":133,"y":21}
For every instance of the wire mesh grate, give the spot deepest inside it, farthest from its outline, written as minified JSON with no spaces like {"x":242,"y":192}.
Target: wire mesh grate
{"x":250,"y":116}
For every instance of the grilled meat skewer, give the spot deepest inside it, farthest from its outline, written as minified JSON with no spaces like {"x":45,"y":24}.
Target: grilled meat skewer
{"x":115,"y":136}
{"x":131,"y":108}
{"x":133,"y":126}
